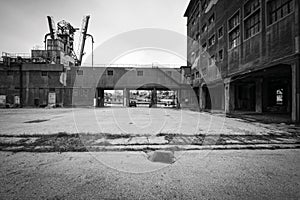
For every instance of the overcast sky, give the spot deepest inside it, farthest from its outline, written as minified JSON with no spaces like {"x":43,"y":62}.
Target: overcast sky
{"x":23,"y":22}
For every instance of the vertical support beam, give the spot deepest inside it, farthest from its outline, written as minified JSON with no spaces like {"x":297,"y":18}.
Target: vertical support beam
{"x":126,"y":97}
{"x":154,"y":98}
{"x":204,"y":93}
{"x":201,"y":98}
{"x":229,"y":96}
{"x":258,"y":91}
{"x":295,"y":93}
{"x":100,"y":99}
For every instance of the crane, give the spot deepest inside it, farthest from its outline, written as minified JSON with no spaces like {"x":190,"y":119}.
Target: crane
{"x":82,"y":38}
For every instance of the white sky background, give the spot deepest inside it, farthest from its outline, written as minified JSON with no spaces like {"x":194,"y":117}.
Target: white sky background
{"x":23,"y":23}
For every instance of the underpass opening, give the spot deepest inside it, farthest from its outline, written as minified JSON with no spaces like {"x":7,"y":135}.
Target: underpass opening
{"x":113,"y":98}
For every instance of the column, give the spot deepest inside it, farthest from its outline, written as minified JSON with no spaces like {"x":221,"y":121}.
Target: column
{"x":100,"y":97}
{"x":258,"y":96}
{"x":154,"y":98}
{"x":126,"y":97}
{"x":227,"y":95}
{"x":201,"y":98}
{"x":295,"y":93}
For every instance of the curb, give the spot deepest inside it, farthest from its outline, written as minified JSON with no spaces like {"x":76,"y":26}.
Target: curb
{"x":150,"y":148}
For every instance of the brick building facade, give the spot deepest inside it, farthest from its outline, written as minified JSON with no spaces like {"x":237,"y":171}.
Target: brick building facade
{"x":244,"y":55}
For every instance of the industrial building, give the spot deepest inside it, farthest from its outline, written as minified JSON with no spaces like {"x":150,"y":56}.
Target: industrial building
{"x":244,"y":55}
{"x":53,"y":76}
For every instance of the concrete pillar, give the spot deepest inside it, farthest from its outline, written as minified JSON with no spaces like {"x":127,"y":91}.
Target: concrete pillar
{"x":100,"y":97}
{"x":258,"y":96}
{"x":126,"y":97}
{"x":201,"y":98}
{"x":295,"y":93}
{"x":229,"y":96}
{"x":154,"y":97}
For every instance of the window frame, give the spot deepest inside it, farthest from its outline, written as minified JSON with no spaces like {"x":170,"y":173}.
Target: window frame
{"x":221,"y":50}
{"x":267,"y":16}
{"x":248,"y":17}
{"x":9,"y":72}
{"x":214,"y":37}
{"x":221,"y":27}
{"x":238,"y":27}
{"x":212,"y":16}
{"x":110,"y":74}
{"x":140,"y":73}
{"x":44,"y":73}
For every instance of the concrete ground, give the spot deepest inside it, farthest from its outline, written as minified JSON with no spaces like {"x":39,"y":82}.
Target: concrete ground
{"x":227,"y":174}
{"x":135,"y":121}
{"x":115,"y":173}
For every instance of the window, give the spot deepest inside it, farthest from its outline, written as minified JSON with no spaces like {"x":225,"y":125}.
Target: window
{"x":250,"y":7}
{"x":278,"y":9}
{"x":211,"y":19}
{"x":234,"y":30}
{"x":211,"y":60}
{"x":79,"y":72}
{"x":140,"y":73}
{"x":204,"y":28}
{"x":86,"y":92}
{"x":197,"y":36}
{"x":234,"y":38}
{"x":220,"y":32}
{"x":221,"y":54}
{"x":204,"y":47}
{"x":251,"y":18}
{"x":110,"y":72}
{"x":10,"y":73}
{"x":211,"y":40}
{"x":252,"y":25}
{"x":197,"y":74}
{"x":234,"y":21}
{"x":44,"y":73}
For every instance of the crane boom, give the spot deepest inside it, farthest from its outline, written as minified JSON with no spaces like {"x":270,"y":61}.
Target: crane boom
{"x":82,"y":38}
{"x":51,"y":26}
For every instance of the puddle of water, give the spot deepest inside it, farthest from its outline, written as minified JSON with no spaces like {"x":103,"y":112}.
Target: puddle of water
{"x":162,"y":156}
